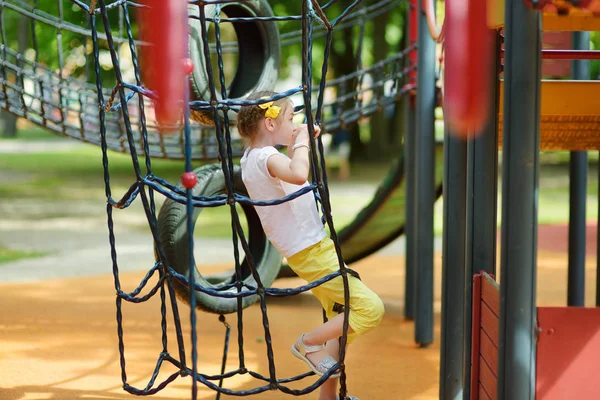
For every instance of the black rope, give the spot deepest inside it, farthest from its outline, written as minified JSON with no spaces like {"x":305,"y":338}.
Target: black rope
{"x":61,"y":102}
{"x":133,"y":134}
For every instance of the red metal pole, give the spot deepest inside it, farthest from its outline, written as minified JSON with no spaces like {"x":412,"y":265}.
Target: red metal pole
{"x":469,"y":45}
{"x":570,"y":55}
{"x":412,"y":39}
{"x":164,"y":26}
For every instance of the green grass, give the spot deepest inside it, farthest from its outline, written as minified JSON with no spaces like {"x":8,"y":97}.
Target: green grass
{"x":34,"y":133}
{"x":9,"y":255}
{"x":553,"y":198}
{"x":78,"y":175}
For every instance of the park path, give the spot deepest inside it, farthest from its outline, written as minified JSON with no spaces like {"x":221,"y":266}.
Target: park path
{"x":74,"y":236}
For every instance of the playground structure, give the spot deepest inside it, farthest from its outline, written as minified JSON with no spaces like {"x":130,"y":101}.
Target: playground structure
{"x":67,"y":105}
{"x":506,"y":347}
{"x":419,"y":164}
{"x":124,"y":126}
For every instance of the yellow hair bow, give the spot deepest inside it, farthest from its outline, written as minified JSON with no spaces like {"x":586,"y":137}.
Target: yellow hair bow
{"x":272,"y":111}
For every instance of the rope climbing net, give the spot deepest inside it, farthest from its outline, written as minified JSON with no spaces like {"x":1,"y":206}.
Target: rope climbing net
{"x":77,"y":107}
{"x":47,"y":69}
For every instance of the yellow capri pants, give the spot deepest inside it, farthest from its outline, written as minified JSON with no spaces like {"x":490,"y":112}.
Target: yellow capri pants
{"x":319,"y":260}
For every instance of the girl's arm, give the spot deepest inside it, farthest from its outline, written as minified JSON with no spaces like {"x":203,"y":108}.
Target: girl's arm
{"x":296,"y":168}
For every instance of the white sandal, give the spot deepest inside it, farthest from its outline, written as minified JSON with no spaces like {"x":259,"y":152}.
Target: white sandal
{"x":300,"y":350}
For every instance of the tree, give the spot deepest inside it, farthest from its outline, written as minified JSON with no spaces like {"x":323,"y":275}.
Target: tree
{"x":8,"y":121}
{"x":379,"y":144}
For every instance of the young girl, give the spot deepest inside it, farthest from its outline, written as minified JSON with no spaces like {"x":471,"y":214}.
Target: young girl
{"x":296,"y":230}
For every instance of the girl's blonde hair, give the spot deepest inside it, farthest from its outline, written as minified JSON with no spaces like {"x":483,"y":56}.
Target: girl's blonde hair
{"x":250,"y":116}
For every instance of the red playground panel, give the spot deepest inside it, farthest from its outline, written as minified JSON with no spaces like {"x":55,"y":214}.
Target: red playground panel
{"x":484,"y":339}
{"x":568,"y":353}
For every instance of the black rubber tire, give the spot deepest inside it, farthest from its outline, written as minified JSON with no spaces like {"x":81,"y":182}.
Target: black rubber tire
{"x":259,"y":51}
{"x":174,"y":237}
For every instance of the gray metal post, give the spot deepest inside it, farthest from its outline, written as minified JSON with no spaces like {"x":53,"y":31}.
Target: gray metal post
{"x":470,"y":201}
{"x":410,"y":280}
{"x":425,"y":183}
{"x":520,"y":179}
{"x":482,"y":192}
{"x":483,"y":183}
{"x":409,"y":159}
{"x":578,"y":165}
{"x":453,"y":267}
{"x":577,"y":228}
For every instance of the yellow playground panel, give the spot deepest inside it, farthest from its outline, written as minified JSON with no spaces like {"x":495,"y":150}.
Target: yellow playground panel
{"x":576,"y":20}
{"x":570,"y":110}
{"x":569,"y":115}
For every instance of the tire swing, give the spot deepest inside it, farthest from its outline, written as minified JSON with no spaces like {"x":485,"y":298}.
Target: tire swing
{"x":174,"y":238}
{"x":258,"y":50}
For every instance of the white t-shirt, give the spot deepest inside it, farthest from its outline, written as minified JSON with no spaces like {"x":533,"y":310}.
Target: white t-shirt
{"x":291,"y":226}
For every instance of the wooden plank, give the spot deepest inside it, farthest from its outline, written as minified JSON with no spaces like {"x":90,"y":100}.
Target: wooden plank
{"x":566,"y":97}
{"x":487,"y":378}
{"x":489,"y":352}
{"x":490,"y":294}
{"x":490,"y":323}
{"x":577,"y":20}
{"x":564,"y":132}
{"x":570,"y":115}
{"x":568,"y":346}
{"x":560,"y":132}
{"x":483,"y":395}
{"x":475,"y":329}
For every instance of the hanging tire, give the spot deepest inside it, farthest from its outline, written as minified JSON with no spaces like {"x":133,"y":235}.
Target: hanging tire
{"x":174,"y":237}
{"x":259,"y":53}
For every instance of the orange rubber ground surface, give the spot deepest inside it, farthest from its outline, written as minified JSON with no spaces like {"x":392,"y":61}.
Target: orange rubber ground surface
{"x":58,"y":338}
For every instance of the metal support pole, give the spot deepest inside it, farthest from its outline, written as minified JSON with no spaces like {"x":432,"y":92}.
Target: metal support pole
{"x":577,"y":228}
{"x":483,"y":182}
{"x":453,"y":266}
{"x":409,"y":154}
{"x":470,"y":201}
{"x":578,"y":165}
{"x":520,"y":180}
{"x":409,"y":159}
{"x":482,"y":195}
{"x":425,"y":169}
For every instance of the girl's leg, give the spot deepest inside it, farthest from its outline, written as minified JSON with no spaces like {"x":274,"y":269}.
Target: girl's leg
{"x":329,"y":389}
{"x":329,"y":332}
{"x":331,"y":329}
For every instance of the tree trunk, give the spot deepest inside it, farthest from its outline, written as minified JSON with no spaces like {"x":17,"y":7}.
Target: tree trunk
{"x":397,"y":123}
{"x":8,"y":121}
{"x":344,"y":63}
{"x":397,"y":126}
{"x":8,"y":124}
{"x":379,"y":144}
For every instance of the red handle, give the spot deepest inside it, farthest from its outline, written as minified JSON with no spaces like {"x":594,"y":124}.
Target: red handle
{"x":468,"y":65}
{"x":164,"y":26}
